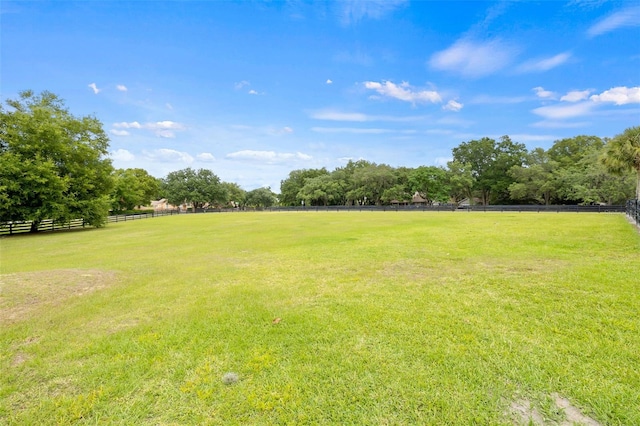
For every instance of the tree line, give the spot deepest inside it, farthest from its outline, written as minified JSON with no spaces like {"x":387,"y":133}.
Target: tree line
{"x":54,"y":165}
{"x":578,"y":170}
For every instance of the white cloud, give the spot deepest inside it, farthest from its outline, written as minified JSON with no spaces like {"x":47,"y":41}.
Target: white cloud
{"x":121,"y":87}
{"x":543,"y":94}
{"x":629,"y":17}
{"x":357,"y":58}
{"x":122,"y":155}
{"x":540,"y":65}
{"x":561,"y":112}
{"x":269,"y":157}
{"x":453,"y":106}
{"x":354,"y":130}
{"x":119,"y":132}
{"x":576,"y":96}
{"x":619,"y":95}
{"x":474,"y":59}
{"x":333,"y":115}
{"x":252,"y":92}
{"x":329,"y":81}
{"x":165,"y":155}
{"x":352,"y":11}
{"x":338,"y":116}
{"x":206,"y":157}
{"x":94,"y":88}
{"x":403,"y":92}
{"x":163,"y":129}
{"x":125,"y":125}
{"x":239,"y":85}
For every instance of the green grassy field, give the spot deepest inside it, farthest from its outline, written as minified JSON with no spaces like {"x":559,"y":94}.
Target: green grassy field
{"x":325,"y":318}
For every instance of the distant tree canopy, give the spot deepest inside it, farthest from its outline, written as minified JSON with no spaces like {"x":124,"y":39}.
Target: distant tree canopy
{"x":579,"y":170}
{"x":622,"y":154}
{"x":53,"y":165}
{"x":197,"y":188}
{"x":133,"y":187}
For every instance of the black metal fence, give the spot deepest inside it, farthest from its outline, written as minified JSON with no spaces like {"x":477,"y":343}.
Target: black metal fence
{"x":453,"y":207}
{"x":633,"y":210}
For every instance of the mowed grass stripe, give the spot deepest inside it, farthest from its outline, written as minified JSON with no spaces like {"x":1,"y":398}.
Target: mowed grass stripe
{"x":371,"y":317}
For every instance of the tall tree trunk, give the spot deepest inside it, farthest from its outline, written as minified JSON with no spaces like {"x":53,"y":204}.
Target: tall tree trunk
{"x":34,"y":225}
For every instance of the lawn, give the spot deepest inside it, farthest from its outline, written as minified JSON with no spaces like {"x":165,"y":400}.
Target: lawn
{"x":324,"y":318}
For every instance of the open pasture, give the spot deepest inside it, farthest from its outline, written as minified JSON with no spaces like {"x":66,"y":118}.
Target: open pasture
{"x":324,"y":318}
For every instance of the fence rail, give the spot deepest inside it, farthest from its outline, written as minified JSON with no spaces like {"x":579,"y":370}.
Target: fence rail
{"x":475,"y":208}
{"x":632,"y":209}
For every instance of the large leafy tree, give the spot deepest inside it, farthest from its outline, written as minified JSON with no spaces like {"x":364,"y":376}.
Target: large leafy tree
{"x":430,"y":182}
{"x":53,"y":165}
{"x":260,"y":197}
{"x":535,"y":180}
{"x":490,"y":162}
{"x":291,"y":186}
{"x":622,"y":153}
{"x":196,"y":187}
{"x":133,"y":187}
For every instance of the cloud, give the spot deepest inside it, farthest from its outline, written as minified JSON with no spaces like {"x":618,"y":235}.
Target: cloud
{"x":540,"y":65}
{"x":94,"y":88}
{"x":357,"y":58}
{"x":122,"y":155}
{"x":474,"y":59}
{"x":339,"y":116}
{"x":269,"y":157}
{"x":329,"y":81}
{"x":119,"y":132}
{"x":239,"y":85}
{"x":561,"y":112}
{"x":619,"y":95}
{"x":333,"y":115}
{"x":353,"y":11}
{"x":453,"y":106}
{"x":163,"y":129}
{"x":576,"y":96}
{"x":629,"y":17}
{"x":125,"y":125}
{"x":543,"y":94}
{"x":206,"y":157}
{"x":252,"y":92}
{"x":122,"y":87}
{"x":354,"y":130}
{"x":165,"y":155}
{"x":403,"y":92}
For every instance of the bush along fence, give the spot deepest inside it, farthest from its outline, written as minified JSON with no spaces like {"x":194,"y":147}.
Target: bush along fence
{"x":633,"y":210}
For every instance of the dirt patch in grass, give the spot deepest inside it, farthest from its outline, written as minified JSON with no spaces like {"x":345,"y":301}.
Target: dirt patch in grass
{"x":22,"y":294}
{"x":524,"y":413}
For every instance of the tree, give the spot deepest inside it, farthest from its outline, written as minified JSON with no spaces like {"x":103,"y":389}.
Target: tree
{"x":489,"y":163}
{"x":235,"y":194}
{"x":430,"y":182}
{"x":133,"y":187}
{"x":290,"y":187}
{"x":196,"y":187}
{"x":536,"y":180}
{"x":460,"y":181}
{"x":53,"y":165}
{"x":370,"y":182}
{"x":622,"y":153}
{"x":320,"y":190}
{"x":260,"y":197}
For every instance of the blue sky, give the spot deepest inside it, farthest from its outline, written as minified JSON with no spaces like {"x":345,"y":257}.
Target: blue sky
{"x":253,"y":90}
